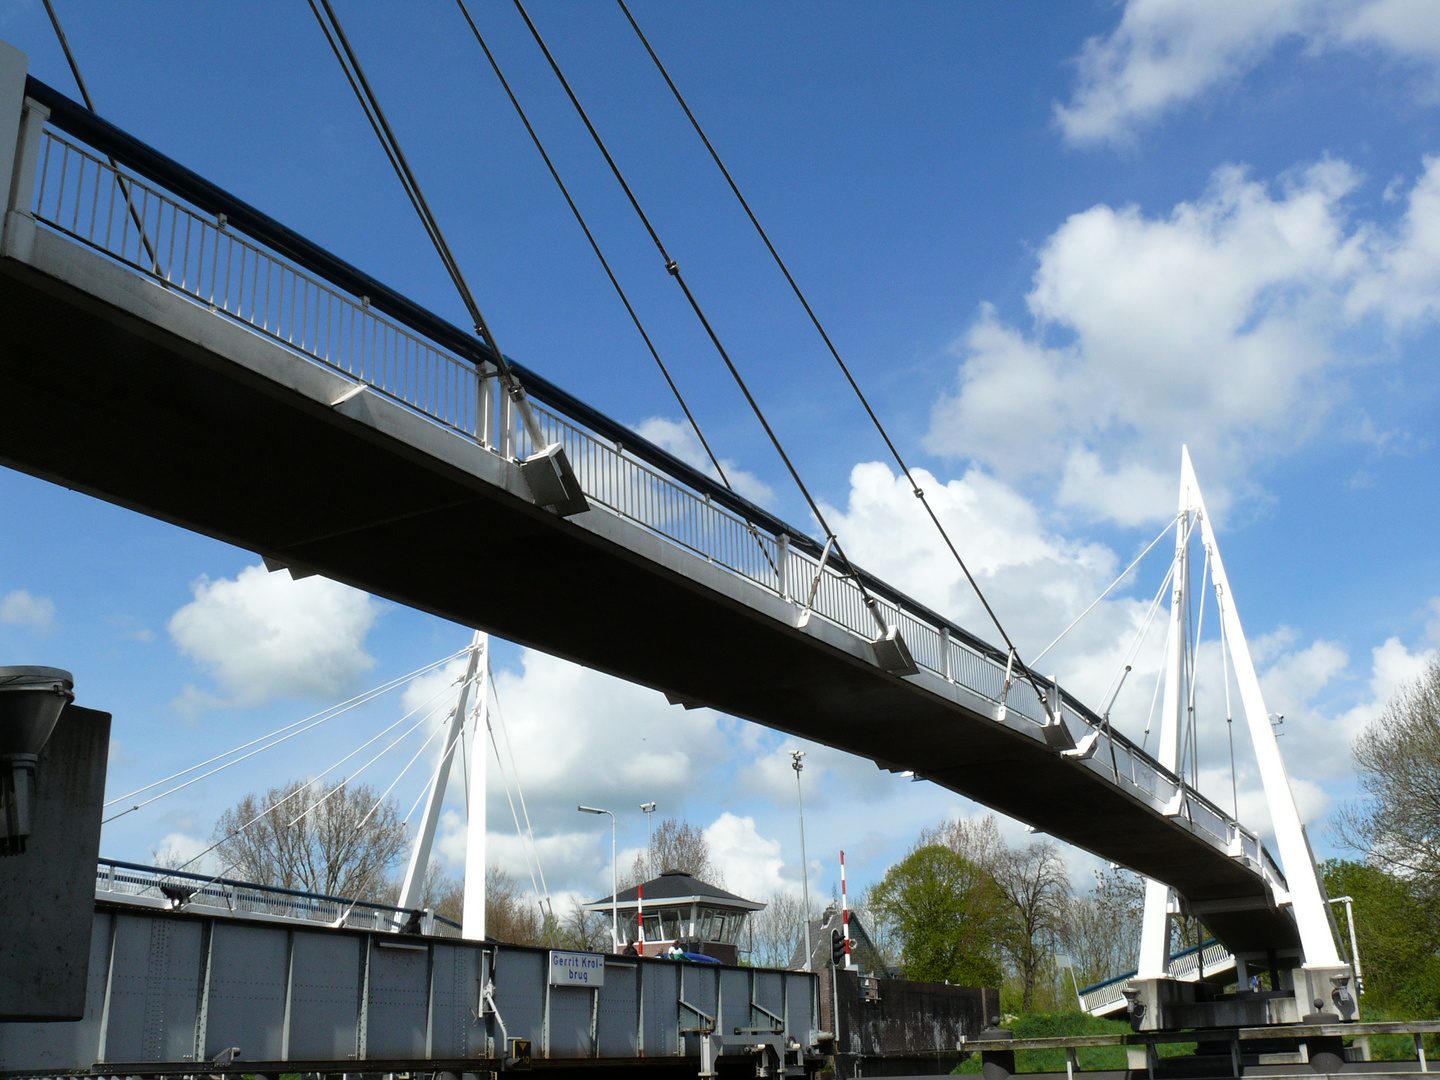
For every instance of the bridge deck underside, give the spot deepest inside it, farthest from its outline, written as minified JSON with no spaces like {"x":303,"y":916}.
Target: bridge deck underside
{"x":116,"y":407}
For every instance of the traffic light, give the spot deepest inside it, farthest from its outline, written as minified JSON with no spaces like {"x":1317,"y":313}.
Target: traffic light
{"x":837,"y":948}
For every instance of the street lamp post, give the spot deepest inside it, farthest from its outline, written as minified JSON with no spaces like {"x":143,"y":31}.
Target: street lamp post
{"x":797,"y":764}
{"x":614,"y":880}
{"x":649,"y":808}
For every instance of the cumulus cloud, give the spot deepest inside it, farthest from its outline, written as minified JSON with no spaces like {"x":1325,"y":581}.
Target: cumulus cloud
{"x":1037,"y":580}
{"x":262,"y":636}
{"x":1165,"y":53}
{"x":1222,"y":324}
{"x":680,"y":439}
{"x":21,"y":608}
{"x":750,"y":863}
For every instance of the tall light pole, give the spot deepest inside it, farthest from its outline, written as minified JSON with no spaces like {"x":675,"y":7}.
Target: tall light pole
{"x":614,"y":880}
{"x":797,"y":764}
{"x":649,"y":808}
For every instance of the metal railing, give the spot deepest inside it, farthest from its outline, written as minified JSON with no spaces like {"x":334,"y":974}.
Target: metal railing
{"x":199,"y":255}
{"x":182,"y":890}
{"x":1188,"y":966}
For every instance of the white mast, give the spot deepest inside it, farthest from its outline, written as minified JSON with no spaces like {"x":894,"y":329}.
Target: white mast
{"x":472,"y":921}
{"x":1301,"y":876}
{"x":473,"y":684}
{"x":1155,"y":930}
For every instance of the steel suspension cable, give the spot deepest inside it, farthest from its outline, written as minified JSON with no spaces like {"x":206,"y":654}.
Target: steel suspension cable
{"x":673,"y":268}
{"x":605,"y":264}
{"x":320,"y":717}
{"x":829,"y":344}
{"x":519,"y":788}
{"x":355,"y":74}
{"x":1229,"y":715}
{"x":1041,"y":655}
{"x":311,"y":782}
{"x":90,"y":104}
{"x":385,"y":750}
{"x":594,"y":244}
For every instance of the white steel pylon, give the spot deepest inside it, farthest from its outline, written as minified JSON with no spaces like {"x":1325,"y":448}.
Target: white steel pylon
{"x":1306,"y":897}
{"x":474,"y":686}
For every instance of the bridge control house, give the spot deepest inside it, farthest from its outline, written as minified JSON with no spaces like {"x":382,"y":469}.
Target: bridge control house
{"x":680,"y":910}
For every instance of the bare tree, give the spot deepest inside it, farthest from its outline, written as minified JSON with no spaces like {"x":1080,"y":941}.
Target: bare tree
{"x":977,"y":839}
{"x":1102,"y":927}
{"x":774,"y":934}
{"x":1398,"y":759}
{"x":511,"y":915}
{"x":677,"y":845}
{"x":588,"y":931}
{"x":337,"y":839}
{"x":883,"y":931}
{"x":1036,"y":883}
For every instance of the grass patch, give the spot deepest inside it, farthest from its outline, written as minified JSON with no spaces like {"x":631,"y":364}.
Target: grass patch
{"x":1064,"y":1025}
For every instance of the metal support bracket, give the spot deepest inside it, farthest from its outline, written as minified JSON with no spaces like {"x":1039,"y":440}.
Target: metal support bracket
{"x":805,"y":609}
{"x":553,"y":482}
{"x":1085,"y":748}
{"x":892,"y":654}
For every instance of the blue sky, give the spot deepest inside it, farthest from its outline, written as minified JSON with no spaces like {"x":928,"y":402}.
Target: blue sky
{"x":1054,"y":244}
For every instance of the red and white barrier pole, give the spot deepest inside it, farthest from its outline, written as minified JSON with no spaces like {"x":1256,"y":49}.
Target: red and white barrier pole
{"x":845,"y":913}
{"x":640,"y":913}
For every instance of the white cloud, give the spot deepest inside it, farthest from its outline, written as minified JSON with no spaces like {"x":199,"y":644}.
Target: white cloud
{"x":263,"y":636}
{"x":1165,"y":53}
{"x":1036,"y":580}
{"x":22,"y":608}
{"x":1226,"y":324}
{"x":580,"y":736}
{"x":680,"y":440}
{"x":750,"y":863}
{"x":178,"y":848}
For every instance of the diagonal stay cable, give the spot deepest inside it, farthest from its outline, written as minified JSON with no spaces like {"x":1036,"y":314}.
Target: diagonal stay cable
{"x":317,"y":777}
{"x":346,"y":781}
{"x":90,"y":104}
{"x":320,"y":717}
{"x":515,"y":770}
{"x":825,"y":336}
{"x":1107,"y":592}
{"x":355,"y":74}
{"x":605,"y":264}
{"x":673,"y":268}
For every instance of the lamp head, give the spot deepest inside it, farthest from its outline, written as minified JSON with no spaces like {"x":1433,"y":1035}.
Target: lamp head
{"x":31,"y":701}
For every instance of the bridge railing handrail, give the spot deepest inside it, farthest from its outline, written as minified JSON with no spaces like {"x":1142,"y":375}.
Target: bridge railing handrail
{"x":120,"y":878}
{"x":350,"y":321}
{"x":1182,"y":964}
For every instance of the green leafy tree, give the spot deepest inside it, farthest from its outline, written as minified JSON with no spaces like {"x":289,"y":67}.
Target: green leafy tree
{"x":1398,"y":929}
{"x":949,"y":915}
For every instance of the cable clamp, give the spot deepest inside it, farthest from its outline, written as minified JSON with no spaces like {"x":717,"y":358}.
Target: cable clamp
{"x":673,"y":267}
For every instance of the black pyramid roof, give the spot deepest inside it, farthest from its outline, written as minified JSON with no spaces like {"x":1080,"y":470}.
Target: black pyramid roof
{"x":675,"y":885}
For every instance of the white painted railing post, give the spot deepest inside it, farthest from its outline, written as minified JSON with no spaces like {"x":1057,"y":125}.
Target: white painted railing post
{"x":13,"y":64}
{"x":22,"y":122}
{"x":485,"y":405}
{"x":945,"y":654}
{"x":507,"y":426}
{"x":782,"y":564}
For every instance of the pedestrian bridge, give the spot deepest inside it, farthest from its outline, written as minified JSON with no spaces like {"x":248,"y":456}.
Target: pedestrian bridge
{"x":170,"y":349}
